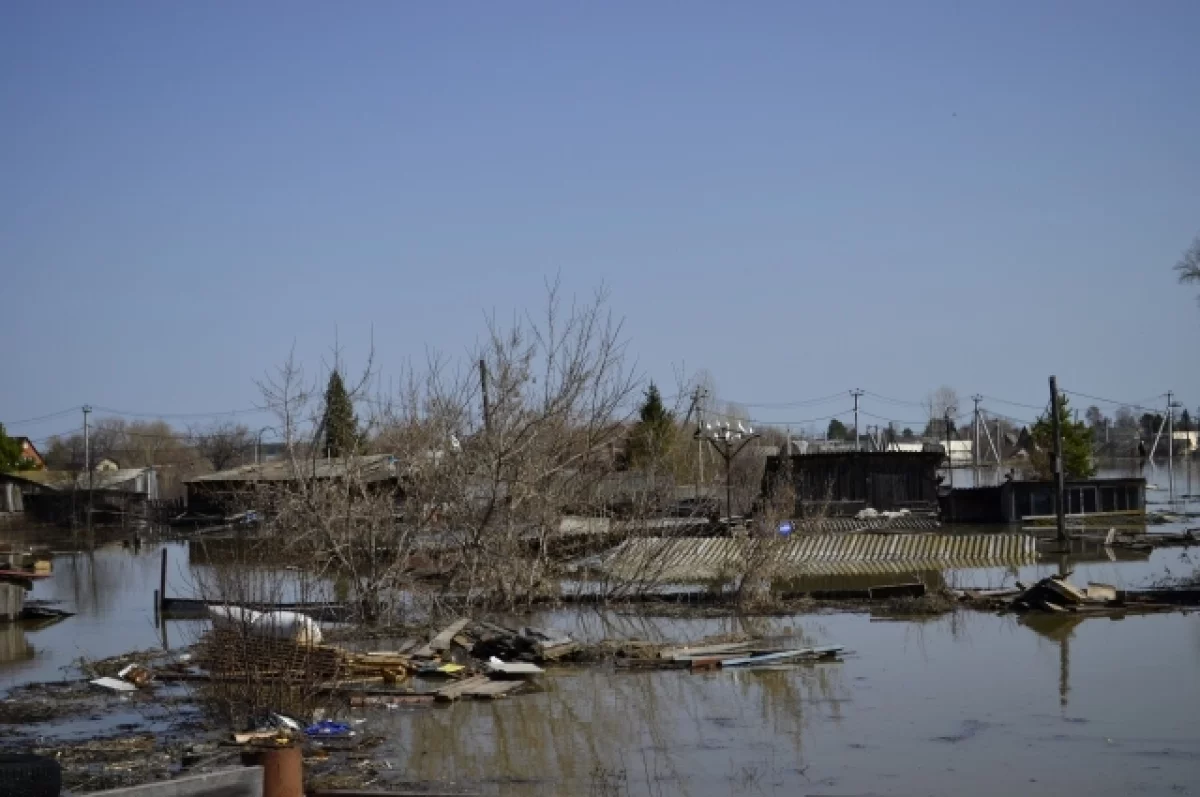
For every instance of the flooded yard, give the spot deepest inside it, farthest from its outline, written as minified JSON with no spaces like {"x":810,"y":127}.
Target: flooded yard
{"x":966,"y":702}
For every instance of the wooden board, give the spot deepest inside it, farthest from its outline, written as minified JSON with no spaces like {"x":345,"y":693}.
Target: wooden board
{"x":1068,"y":592}
{"x":455,"y":691}
{"x":653,"y":664}
{"x":416,"y":699}
{"x":442,"y":641}
{"x":704,"y":650}
{"x":784,"y":656}
{"x":493,"y":690}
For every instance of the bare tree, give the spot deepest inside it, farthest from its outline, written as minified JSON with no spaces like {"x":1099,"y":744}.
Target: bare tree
{"x":1189,"y":264}
{"x":224,"y":445}
{"x":479,"y":505}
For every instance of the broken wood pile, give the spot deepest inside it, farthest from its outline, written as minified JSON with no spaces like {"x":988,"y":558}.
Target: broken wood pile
{"x":487,"y":640}
{"x":231,"y":652}
{"x":227,"y":653}
{"x":726,"y":655}
{"x":1057,"y":595}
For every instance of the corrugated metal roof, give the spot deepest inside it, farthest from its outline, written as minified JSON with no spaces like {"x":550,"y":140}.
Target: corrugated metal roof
{"x":120,"y":479}
{"x":685,"y":559}
{"x":373,"y":467}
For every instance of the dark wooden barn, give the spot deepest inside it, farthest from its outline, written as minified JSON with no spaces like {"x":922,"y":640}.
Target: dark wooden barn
{"x":1019,"y":500}
{"x":844,"y":482}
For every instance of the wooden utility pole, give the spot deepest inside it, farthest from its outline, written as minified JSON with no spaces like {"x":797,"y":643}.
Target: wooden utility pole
{"x":1170,"y":447}
{"x":975,"y":450}
{"x":1060,"y":513}
{"x":483,"y":387}
{"x":856,"y":393}
{"x":87,"y":461}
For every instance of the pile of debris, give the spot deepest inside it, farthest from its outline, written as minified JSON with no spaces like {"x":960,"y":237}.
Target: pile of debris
{"x":525,"y":644}
{"x":1057,"y":595}
{"x":727,"y":655}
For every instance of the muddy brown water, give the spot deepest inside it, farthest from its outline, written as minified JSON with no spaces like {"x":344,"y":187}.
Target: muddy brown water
{"x":968,"y":703}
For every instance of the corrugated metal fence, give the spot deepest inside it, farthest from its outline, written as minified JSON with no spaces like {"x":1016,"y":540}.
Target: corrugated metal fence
{"x":684,"y":559}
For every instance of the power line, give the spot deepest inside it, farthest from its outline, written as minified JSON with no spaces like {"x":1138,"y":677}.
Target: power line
{"x":43,"y":417}
{"x":895,"y":400}
{"x":1129,"y":404}
{"x":111,"y":411}
{"x":1016,"y":403}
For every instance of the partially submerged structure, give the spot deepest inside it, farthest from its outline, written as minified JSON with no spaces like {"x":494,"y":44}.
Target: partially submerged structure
{"x":247,"y":486}
{"x":1022,"y":500}
{"x":57,"y":496}
{"x":844,"y":483}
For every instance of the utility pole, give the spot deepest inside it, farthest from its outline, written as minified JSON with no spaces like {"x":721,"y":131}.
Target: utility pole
{"x":723,"y":441}
{"x":949,"y":448}
{"x":1171,"y":446}
{"x":975,"y":458}
{"x":483,"y":386}
{"x":856,"y":393}
{"x":697,"y":394}
{"x":1060,"y":515}
{"x":999,"y":444}
{"x":87,"y":460}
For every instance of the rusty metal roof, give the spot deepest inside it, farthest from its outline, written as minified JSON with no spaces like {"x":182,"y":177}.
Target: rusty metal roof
{"x":704,"y":559}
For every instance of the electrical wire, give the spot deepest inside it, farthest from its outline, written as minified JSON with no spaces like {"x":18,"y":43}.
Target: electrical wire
{"x":1015,"y":403}
{"x":111,"y":411}
{"x":43,"y":417}
{"x":1129,"y":404}
{"x":894,"y":400}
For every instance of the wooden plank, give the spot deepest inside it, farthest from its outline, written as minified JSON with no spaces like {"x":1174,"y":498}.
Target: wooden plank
{"x":442,"y":641}
{"x":415,"y":699}
{"x":704,"y":650}
{"x":1065,"y":590}
{"x":783,"y":656}
{"x":454,"y":691}
{"x":653,"y":664}
{"x":557,"y":650}
{"x":494,"y":689}
{"x":913,"y":590}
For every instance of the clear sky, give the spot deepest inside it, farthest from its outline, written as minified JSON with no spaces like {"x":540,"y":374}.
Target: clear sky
{"x":799,"y":197}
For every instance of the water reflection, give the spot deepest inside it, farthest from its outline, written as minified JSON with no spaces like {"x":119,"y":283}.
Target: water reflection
{"x":14,"y":647}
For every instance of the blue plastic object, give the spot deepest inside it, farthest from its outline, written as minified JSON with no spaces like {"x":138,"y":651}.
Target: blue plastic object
{"x":327,"y":728}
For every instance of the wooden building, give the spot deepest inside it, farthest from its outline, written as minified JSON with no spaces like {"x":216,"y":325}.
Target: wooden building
{"x":1018,"y":500}
{"x":256,"y":487}
{"x":842,"y":483}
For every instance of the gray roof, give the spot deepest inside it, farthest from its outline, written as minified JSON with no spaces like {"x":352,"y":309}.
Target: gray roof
{"x":127,"y":479}
{"x":690,"y":558}
{"x":371,"y":468}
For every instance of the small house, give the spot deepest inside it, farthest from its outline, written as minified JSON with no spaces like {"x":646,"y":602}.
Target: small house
{"x":30,"y":454}
{"x":1023,"y":500}
{"x":242,"y":488}
{"x":843,"y":483}
{"x":57,"y":496}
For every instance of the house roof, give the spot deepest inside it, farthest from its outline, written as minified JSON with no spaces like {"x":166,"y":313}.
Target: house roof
{"x":373,"y":467}
{"x":704,"y":559}
{"x":25,"y":442}
{"x":99,"y":480}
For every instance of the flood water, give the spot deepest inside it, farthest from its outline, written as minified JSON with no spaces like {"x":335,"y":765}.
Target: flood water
{"x":970,"y":703}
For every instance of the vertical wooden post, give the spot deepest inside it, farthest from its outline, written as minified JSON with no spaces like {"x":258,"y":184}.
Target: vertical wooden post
{"x":483,"y":388}
{"x":1060,"y":510}
{"x":162,"y":580}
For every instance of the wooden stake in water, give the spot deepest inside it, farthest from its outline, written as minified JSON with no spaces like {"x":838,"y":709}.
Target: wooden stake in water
{"x":1060,"y":514}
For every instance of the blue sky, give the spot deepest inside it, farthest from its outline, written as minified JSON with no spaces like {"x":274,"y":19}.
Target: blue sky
{"x":800,"y":198}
